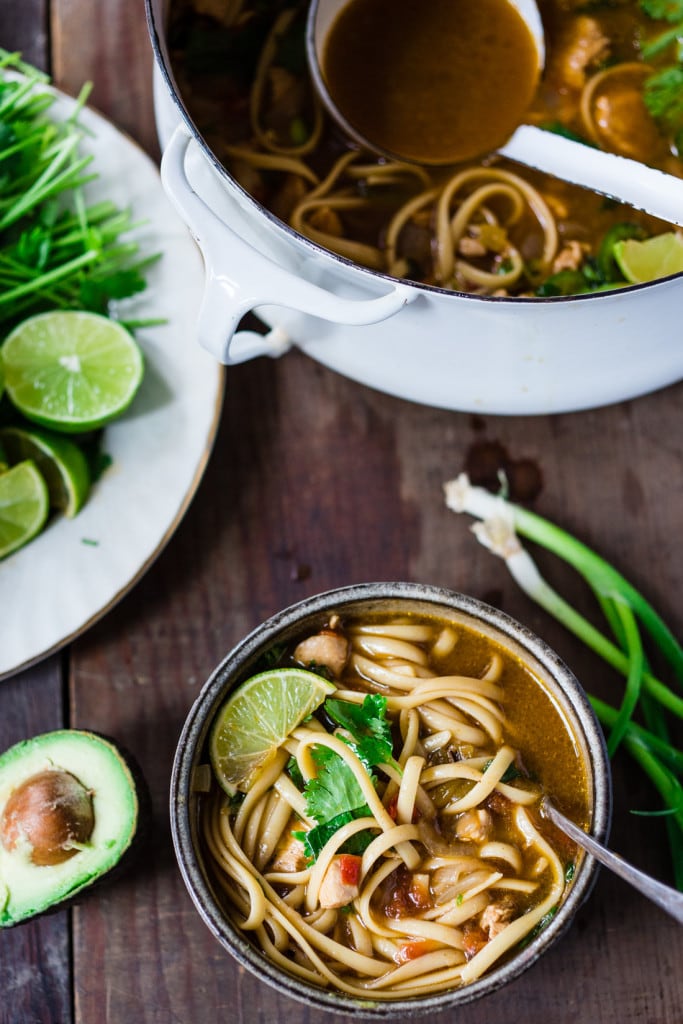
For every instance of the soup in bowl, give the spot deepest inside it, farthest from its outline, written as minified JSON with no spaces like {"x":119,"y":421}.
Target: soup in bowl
{"x":356,"y":799}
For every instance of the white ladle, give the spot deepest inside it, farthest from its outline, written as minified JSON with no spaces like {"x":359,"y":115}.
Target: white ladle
{"x":622,"y":179}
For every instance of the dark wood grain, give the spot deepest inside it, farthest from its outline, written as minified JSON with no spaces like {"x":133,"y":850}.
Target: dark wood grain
{"x":35,"y":964}
{"x":107,"y":44}
{"x":35,"y":961}
{"x":276,"y":519}
{"x":315,"y":482}
{"x":25,"y":29}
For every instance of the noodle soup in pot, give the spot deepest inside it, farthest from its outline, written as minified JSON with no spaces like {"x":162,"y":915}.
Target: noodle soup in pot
{"x":355,"y":799}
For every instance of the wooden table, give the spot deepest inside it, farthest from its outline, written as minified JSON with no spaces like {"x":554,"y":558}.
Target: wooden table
{"x":316,"y":482}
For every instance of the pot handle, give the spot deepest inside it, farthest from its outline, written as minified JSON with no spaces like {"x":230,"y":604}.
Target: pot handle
{"x":252,"y":279}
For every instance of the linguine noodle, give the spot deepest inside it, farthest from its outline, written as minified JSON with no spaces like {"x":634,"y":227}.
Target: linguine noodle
{"x":457,"y":868}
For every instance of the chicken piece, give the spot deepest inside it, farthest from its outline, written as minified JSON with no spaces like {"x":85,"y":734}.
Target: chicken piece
{"x":340,"y":884}
{"x":419,"y":891}
{"x":496,"y":916}
{"x":581,"y":46}
{"x":473,"y":826}
{"x":625,"y":124}
{"x":289,"y":854}
{"x":471,"y":247}
{"x":570,"y":256}
{"x":326,"y":649}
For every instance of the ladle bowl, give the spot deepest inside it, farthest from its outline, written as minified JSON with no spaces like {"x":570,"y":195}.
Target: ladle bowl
{"x":619,"y":178}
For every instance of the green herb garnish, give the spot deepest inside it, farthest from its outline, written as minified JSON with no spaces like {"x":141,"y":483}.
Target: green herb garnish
{"x":333,"y":796}
{"x":55,"y":250}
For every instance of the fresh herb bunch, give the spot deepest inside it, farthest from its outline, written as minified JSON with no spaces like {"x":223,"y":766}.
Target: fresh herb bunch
{"x":664,"y":89}
{"x":55,"y":250}
{"x":626,"y":611}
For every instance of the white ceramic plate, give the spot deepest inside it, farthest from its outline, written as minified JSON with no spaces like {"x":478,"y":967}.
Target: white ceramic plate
{"x":72,"y":573}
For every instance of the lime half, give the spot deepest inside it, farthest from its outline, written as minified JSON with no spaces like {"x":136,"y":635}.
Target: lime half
{"x":71,"y":371}
{"x":24,"y":506}
{"x":651,"y":258}
{"x":257,"y":718}
{"x":60,"y":461}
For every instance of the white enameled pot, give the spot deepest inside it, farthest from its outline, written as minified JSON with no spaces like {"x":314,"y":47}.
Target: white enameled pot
{"x":469,"y":353}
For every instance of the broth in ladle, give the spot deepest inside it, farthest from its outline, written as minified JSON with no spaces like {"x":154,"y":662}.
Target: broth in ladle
{"x":436,"y":83}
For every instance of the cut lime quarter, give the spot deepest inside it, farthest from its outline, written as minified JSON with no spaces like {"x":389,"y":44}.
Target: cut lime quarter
{"x":61,"y":462}
{"x":257,"y":718}
{"x":24,"y":506}
{"x":71,"y":371}
{"x":651,"y":258}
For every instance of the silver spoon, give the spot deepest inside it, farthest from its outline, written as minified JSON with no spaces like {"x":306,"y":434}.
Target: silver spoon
{"x":670,"y":900}
{"x":619,"y":178}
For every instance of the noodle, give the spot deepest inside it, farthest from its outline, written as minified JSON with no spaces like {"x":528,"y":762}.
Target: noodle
{"x":440,"y":865}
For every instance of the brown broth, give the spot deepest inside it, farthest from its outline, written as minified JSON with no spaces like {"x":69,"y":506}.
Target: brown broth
{"x":437,"y":82}
{"x":537,"y":727}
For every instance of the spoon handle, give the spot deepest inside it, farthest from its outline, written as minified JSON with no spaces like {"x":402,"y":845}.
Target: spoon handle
{"x":618,"y":177}
{"x":670,"y":900}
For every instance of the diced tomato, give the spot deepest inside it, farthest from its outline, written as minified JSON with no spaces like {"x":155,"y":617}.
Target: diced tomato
{"x":474,"y":939}
{"x":412,"y":950}
{"x":391,"y":809}
{"x":349,"y":868}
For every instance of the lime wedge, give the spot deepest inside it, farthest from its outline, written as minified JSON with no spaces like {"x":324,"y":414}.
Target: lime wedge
{"x":24,"y":506}
{"x":257,"y":718}
{"x":651,"y":258}
{"x":61,"y":462}
{"x":71,"y":371}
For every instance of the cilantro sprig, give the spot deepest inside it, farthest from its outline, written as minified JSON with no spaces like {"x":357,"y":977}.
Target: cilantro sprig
{"x":663,"y":94}
{"x":56,"y":251}
{"x":334,"y":796}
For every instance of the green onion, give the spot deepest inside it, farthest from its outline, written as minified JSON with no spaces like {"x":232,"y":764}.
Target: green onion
{"x":626,"y":610}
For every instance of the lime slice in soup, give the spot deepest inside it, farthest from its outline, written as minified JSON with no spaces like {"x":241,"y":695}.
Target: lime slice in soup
{"x":24,"y":506}
{"x":70,"y":370}
{"x":257,"y":718}
{"x":651,"y":258}
{"x":60,"y":461}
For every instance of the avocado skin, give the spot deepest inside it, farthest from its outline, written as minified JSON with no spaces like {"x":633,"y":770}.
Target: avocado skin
{"x":112,"y":850}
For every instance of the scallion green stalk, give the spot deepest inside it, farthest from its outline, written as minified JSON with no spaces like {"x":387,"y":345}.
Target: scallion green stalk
{"x":501,"y":523}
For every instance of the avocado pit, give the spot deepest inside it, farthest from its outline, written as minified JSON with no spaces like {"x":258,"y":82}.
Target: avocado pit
{"x":52,"y":812}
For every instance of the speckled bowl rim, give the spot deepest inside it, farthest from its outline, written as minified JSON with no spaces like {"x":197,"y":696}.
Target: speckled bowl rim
{"x":566,"y":690}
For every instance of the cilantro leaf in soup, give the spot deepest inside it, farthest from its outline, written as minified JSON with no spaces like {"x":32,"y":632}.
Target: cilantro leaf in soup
{"x":334,"y":789}
{"x":664,"y":99}
{"x":367,"y":723}
{"x":663,"y":10}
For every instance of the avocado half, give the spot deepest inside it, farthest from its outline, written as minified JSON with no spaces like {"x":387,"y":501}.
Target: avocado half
{"x":69,"y":811}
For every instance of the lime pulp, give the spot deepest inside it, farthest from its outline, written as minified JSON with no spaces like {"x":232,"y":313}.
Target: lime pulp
{"x":24,"y":506}
{"x":61,"y":462}
{"x":72,"y":371}
{"x":257,"y":718}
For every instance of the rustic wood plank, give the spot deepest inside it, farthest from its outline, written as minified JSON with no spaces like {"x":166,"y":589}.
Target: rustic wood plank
{"x":113,"y":51}
{"x":35,"y":968}
{"x":25,"y":29}
{"x":35,"y":964}
{"x":278,"y":518}
{"x":317,"y":482}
